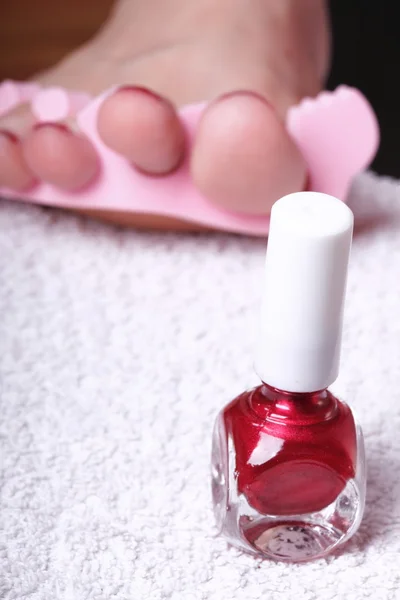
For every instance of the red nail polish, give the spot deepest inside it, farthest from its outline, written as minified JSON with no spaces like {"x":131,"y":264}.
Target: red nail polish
{"x":9,"y":135}
{"x":50,"y":124}
{"x":288,"y":467}
{"x":145,"y":91}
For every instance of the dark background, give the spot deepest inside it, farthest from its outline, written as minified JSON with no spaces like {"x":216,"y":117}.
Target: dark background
{"x":366,"y":54}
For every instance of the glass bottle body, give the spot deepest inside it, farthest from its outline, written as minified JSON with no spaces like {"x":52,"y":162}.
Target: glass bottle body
{"x":288,"y":473}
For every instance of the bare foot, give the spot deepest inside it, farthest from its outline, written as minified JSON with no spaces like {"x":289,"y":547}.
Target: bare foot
{"x":252,"y":63}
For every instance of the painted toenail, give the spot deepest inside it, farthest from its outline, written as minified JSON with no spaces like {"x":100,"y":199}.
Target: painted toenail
{"x":9,"y":136}
{"x":145,"y":91}
{"x":50,"y":125}
{"x":241,"y":93}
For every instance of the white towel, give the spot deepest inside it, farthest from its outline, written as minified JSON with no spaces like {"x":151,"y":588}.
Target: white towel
{"x":117,"y":350}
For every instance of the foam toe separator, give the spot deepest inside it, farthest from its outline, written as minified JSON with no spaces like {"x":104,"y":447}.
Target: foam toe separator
{"x":337,"y":133}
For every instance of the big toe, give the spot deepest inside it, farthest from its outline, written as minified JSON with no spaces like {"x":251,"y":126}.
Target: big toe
{"x":243,"y":158}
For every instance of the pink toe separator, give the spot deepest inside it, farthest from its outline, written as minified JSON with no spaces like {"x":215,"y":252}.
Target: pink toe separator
{"x":337,"y":133}
{"x":56,"y":104}
{"x":13,"y":93}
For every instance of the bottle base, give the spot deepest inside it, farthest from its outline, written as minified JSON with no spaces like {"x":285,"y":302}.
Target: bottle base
{"x":294,"y":538}
{"x":294,"y":541}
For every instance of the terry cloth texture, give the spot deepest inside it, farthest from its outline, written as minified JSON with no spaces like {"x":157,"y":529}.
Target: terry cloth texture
{"x":117,"y":350}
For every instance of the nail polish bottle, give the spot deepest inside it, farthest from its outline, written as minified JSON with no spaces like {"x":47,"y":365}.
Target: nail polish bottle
{"x":288,"y":467}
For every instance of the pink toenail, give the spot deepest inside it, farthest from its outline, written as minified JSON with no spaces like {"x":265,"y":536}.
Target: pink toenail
{"x":9,"y":135}
{"x":145,"y":91}
{"x":50,"y":125}
{"x":238,"y":94}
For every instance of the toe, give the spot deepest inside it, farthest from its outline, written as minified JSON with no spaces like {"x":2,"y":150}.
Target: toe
{"x":144,"y":128}
{"x":58,"y":155}
{"x":14,"y":172}
{"x":243,"y":158}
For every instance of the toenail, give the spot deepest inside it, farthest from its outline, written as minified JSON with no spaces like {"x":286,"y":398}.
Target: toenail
{"x":241,"y":93}
{"x":11,"y":137}
{"x":145,"y":91}
{"x":49,"y":124}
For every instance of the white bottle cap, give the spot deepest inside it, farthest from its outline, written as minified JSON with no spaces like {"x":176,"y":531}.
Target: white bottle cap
{"x":306,"y":272}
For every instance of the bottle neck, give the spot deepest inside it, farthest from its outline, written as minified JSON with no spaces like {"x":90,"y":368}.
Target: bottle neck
{"x":291,"y":408}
